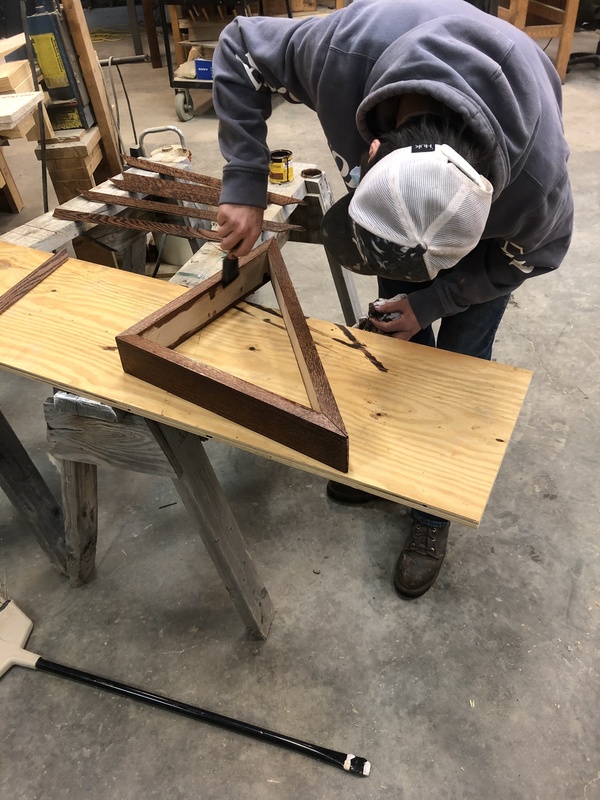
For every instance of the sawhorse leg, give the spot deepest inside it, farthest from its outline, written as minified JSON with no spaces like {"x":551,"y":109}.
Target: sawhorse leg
{"x":79,"y":489}
{"x":27,"y":491}
{"x":203,"y":496}
{"x":95,"y":434}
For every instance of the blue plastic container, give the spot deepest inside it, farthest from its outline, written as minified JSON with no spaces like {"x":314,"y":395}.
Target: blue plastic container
{"x":203,"y":69}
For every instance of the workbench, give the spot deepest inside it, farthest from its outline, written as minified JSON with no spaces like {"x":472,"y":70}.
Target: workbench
{"x":436,"y":444}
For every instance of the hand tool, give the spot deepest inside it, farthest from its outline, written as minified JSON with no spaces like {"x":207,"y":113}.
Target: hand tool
{"x":15,"y":628}
{"x":230,"y":269}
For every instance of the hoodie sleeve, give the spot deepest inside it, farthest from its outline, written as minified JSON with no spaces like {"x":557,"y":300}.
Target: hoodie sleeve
{"x":255,"y":59}
{"x":498,"y":265}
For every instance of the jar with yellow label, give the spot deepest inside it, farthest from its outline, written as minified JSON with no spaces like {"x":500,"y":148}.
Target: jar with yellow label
{"x":281,"y":167}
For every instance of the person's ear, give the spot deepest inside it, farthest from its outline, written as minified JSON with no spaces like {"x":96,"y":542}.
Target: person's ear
{"x":373,"y":148}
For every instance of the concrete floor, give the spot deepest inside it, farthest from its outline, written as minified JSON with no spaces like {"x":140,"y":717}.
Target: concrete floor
{"x":486,"y":688}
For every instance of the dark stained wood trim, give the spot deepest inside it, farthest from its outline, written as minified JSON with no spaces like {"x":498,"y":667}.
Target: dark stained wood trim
{"x":186,"y":315}
{"x":289,"y":423}
{"x":153,"y":226}
{"x":309,"y":363}
{"x":174,"y":172}
{"x":196,"y":177}
{"x":30,"y":281}
{"x":164,"y":188}
{"x":175,"y":210}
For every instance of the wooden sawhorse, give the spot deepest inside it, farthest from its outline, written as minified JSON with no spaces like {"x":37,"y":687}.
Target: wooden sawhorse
{"x":84,"y":434}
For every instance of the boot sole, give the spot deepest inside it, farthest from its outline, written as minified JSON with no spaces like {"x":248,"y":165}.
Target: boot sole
{"x":348,"y":495}
{"x":413,"y":593}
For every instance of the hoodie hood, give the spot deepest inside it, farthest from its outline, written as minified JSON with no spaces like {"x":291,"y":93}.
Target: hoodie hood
{"x":459,"y":65}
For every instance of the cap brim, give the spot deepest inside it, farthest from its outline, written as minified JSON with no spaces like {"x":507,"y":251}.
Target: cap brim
{"x":380,"y":257}
{"x":337,"y":234}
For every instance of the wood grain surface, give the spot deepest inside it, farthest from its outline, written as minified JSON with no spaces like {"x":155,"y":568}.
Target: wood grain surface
{"x":175,"y":210}
{"x":150,"y":225}
{"x":19,"y":290}
{"x":196,"y":177}
{"x":147,"y":351}
{"x":427,"y":428}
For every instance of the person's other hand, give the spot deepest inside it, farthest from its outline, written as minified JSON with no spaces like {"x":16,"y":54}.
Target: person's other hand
{"x":239,"y":227}
{"x":404,"y":327}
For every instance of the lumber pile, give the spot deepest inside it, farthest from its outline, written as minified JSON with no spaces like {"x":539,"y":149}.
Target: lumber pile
{"x":72,"y":156}
{"x":18,"y":114}
{"x":189,"y":187}
{"x":15,"y":77}
{"x":71,"y":162}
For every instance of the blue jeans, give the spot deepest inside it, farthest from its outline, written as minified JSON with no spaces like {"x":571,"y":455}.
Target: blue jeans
{"x":471,"y":333}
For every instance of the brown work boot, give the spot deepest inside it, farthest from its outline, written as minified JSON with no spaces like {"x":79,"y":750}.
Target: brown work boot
{"x":421,"y":559}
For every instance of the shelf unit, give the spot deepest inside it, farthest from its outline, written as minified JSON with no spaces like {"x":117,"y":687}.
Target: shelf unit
{"x":199,"y":24}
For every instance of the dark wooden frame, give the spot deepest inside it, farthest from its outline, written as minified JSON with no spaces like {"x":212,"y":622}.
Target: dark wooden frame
{"x":147,"y":352}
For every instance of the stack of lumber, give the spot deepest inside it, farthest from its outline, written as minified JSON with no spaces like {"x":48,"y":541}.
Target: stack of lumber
{"x":11,"y":79}
{"x":17,"y":112}
{"x":191,"y":187}
{"x":73,"y":158}
{"x":16,"y":79}
{"x":71,"y":162}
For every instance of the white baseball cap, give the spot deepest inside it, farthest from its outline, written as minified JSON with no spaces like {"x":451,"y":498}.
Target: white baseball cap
{"x":419,"y":210}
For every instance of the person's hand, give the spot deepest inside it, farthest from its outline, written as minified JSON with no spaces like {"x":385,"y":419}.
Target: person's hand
{"x":239,"y":227}
{"x":404,"y":327}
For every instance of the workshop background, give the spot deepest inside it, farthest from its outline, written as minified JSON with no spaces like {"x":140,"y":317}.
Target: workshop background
{"x":485,"y":688}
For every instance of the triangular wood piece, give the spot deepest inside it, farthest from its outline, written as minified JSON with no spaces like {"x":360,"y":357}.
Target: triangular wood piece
{"x":147,"y":351}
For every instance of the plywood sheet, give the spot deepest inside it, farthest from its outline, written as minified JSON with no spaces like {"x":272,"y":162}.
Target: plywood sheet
{"x":426,"y":428}
{"x":14,"y":107}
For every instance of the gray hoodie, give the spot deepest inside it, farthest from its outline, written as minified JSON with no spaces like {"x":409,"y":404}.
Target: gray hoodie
{"x":344,"y":64}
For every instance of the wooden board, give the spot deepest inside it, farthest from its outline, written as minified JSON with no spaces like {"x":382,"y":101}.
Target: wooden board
{"x":15,"y":107}
{"x":34,"y":134}
{"x":26,"y":85}
{"x":74,"y":168}
{"x":80,"y":147}
{"x":12,"y":74}
{"x":21,"y":129}
{"x":92,"y":76}
{"x":427,"y":428}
